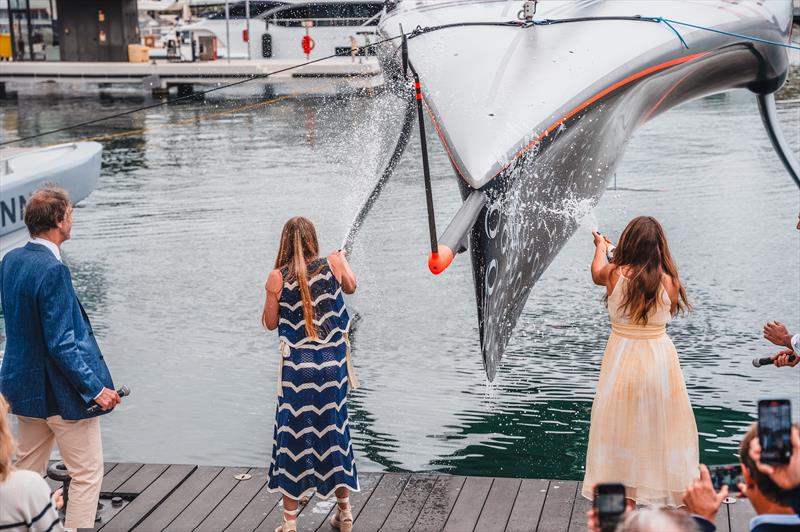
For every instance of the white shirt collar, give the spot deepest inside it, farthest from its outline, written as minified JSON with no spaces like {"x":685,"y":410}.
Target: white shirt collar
{"x":49,"y":245}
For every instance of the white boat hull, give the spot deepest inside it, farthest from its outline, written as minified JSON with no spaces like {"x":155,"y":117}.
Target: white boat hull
{"x":537,"y":118}
{"x":74,"y":167}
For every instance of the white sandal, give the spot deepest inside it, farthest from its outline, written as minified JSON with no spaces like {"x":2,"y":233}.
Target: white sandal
{"x":343,"y":518}
{"x":289,"y":525}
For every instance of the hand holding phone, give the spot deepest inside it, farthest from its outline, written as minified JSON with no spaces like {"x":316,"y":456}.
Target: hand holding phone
{"x":609,"y":503}
{"x":726,"y":475}
{"x":786,"y":476}
{"x":775,"y":430}
{"x":701,"y":498}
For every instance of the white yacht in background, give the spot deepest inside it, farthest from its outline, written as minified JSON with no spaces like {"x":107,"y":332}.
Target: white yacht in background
{"x":285,"y":29}
{"x":74,"y":167}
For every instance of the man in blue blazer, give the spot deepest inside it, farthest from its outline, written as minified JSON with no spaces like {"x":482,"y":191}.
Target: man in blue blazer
{"x":53,"y":369}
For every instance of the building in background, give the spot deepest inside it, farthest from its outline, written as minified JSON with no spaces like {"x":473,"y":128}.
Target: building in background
{"x":69,"y":30}
{"x":97,"y":30}
{"x":31,"y":27}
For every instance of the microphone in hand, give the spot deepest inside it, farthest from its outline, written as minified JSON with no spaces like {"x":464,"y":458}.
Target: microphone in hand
{"x":124,"y":391}
{"x":766,"y":361}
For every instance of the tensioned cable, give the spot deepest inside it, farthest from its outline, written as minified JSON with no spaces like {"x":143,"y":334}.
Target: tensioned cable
{"x":417,"y":32}
{"x":636,"y":18}
{"x":194,"y":95}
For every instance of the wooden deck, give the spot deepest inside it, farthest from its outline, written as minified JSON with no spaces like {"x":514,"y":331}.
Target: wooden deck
{"x":206,"y":498}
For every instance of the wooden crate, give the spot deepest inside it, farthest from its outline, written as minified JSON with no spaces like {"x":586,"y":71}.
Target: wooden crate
{"x":138,"y":53}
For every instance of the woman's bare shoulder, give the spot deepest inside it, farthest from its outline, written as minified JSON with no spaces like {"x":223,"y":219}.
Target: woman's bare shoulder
{"x":614,"y":273}
{"x":671,"y":286}
{"x":668,"y":282}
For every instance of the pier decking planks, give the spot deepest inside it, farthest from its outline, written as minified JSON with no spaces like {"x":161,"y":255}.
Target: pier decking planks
{"x":409,"y":505}
{"x":358,"y":500}
{"x":465,"y":513}
{"x":209,"y":498}
{"x":227,"y":510}
{"x":557,"y":510}
{"x":528,"y":505}
{"x":381,"y":502}
{"x":187,"y":497}
{"x":151,"y":496}
{"x":255,"y":511}
{"x":579,"y":509}
{"x":440,"y":503}
{"x":188,"y":491}
{"x":499,"y":503}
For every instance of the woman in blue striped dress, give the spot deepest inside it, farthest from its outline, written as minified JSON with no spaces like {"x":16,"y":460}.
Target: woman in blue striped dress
{"x":311,"y":450}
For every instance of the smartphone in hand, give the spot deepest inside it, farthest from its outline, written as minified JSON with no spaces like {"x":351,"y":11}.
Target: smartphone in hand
{"x":775,"y":430}
{"x":609,"y":502}
{"x":726,"y":475}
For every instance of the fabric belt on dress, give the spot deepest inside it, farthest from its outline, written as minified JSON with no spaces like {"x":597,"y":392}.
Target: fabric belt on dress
{"x":639,"y":332}
{"x":286,"y":352}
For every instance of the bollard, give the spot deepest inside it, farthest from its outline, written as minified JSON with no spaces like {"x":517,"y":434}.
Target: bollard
{"x":58,"y":472}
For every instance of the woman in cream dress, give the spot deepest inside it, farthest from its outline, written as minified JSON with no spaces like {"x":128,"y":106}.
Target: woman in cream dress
{"x":643,"y":432}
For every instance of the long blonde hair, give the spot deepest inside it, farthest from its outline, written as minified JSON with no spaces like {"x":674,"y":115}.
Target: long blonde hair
{"x":644,"y":251}
{"x":6,"y":441}
{"x":298,"y":248}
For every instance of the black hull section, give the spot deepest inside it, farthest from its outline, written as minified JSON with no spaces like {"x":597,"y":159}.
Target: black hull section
{"x":537,"y":184}
{"x":532,"y":204}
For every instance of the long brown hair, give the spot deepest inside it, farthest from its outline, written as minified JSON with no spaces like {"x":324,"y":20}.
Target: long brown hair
{"x":298,"y":247}
{"x":644,"y":251}
{"x":6,"y":441}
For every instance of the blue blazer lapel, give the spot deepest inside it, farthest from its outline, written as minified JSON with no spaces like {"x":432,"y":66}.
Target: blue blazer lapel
{"x":85,"y":317}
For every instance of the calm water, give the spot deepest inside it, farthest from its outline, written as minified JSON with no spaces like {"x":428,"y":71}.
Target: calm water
{"x":170,"y":253}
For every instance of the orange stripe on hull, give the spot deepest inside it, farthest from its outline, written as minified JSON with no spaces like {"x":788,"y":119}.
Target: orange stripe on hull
{"x":576,"y":110}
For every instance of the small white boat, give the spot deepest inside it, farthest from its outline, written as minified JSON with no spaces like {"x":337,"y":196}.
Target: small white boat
{"x":74,"y":167}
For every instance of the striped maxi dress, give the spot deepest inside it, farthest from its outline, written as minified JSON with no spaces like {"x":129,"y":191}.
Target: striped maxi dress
{"x":312,"y":449}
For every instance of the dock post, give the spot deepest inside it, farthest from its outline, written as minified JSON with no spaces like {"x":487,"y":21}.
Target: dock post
{"x":58,"y":472}
{"x":185,"y":89}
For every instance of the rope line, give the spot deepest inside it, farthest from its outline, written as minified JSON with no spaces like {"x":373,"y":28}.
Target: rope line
{"x":731,"y":33}
{"x":195,"y":119}
{"x":416,"y":33}
{"x":194,"y":95}
{"x":635,"y":18}
{"x":670,"y":26}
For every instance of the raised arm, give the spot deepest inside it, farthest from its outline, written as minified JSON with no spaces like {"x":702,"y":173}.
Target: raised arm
{"x":341,"y":269}
{"x":600,"y":267}
{"x":270,"y":314}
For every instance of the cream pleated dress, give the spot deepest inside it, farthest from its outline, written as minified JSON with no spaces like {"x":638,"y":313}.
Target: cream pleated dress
{"x":643,"y":432}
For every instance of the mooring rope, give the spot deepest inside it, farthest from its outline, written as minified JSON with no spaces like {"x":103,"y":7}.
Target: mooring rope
{"x":723,"y":32}
{"x":420,"y":30}
{"x":192,"y":120}
{"x":344,"y":53}
{"x":415,"y":33}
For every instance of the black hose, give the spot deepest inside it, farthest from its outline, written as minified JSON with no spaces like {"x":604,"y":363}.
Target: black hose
{"x":366,"y":206}
{"x":526,"y":24}
{"x":426,"y":171}
{"x":766,"y":106}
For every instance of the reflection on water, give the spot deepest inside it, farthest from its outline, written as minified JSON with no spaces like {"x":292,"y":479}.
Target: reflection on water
{"x":171,"y":251}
